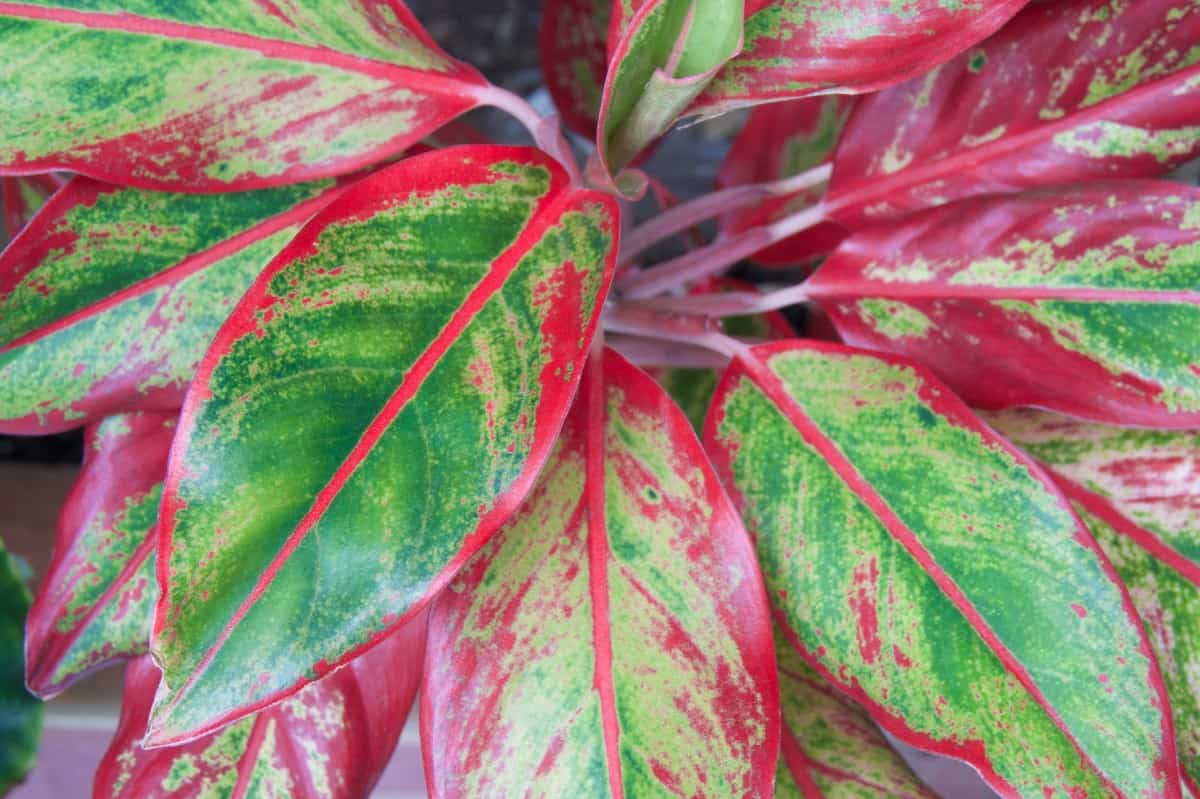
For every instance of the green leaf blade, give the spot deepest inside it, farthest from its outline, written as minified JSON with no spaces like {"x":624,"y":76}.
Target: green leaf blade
{"x":21,"y":716}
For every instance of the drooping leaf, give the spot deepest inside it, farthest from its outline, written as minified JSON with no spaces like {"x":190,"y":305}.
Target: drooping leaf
{"x":613,"y":639}
{"x":1139,"y":492}
{"x":780,"y":140}
{"x":220,"y":96}
{"x":331,"y":740}
{"x":20,"y":712}
{"x":96,"y":602}
{"x":905,"y":546}
{"x":1083,"y":300}
{"x":572,"y":46}
{"x":830,"y":748}
{"x":21,"y":198}
{"x":797,"y":48}
{"x":1069,"y":91}
{"x":374,"y":409}
{"x":665,"y":55}
{"x":110,"y":296}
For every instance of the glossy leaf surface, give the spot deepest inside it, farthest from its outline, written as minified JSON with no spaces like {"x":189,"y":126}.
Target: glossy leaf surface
{"x":1139,"y":492}
{"x":331,"y":740}
{"x":612,"y":640}
{"x":110,"y":296}
{"x":1083,"y":300}
{"x":796,"y":48}
{"x":780,"y":140}
{"x":220,"y":96}
{"x":1069,"y":91}
{"x":665,"y":54}
{"x":20,"y":712}
{"x":830,"y":748}
{"x":373,"y":410}
{"x":96,"y":603}
{"x":572,"y":46}
{"x":951,"y":555}
{"x":21,"y":197}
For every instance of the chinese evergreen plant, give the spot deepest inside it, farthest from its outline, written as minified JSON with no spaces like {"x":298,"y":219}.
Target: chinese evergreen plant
{"x":363,"y":409}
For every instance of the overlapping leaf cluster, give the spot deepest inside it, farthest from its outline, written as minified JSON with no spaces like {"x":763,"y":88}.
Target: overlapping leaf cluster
{"x":364,"y":411}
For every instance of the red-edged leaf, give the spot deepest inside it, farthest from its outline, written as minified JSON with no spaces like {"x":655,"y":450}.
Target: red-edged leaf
{"x":930,"y":570}
{"x":374,"y":409}
{"x":219,"y":96}
{"x":794,"y":49}
{"x":1142,"y":502}
{"x":96,"y":603}
{"x":110,"y":296}
{"x":778,"y":141}
{"x":331,"y":740}
{"x":1082,"y":300}
{"x":613,"y":639}
{"x":572,"y":45}
{"x":21,"y":198}
{"x":830,"y":748}
{"x":1070,"y":90}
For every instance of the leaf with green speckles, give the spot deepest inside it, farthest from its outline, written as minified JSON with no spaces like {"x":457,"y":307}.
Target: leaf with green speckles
{"x":830,"y":748}
{"x":797,"y":48}
{"x":20,"y":712}
{"x":110,"y":296}
{"x":1082,"y":300}
{"x":373,"y":410}
{"x":21,"y":197}
{"x":780,"y":140}
{"x":331,"y":740}
{"x":1139,"y":492}
{"x":572,"y":46}
{"x":1069,"y":91}
{"x":664,"y":57}
{"x":96,"y":602}
{"x":928,"y":569}
{"x":219,"y":96}
{"x":613,"y":638}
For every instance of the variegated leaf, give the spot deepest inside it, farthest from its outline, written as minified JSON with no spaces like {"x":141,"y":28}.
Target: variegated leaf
{"x":20,"y":712}
{"x":926,"y":567}
{"x":110,"y":296}
{"x":613,"y":639}
{"x":96,"y":602}
{"x":830,"y":748}
{"x":780,"y":140}
{"x":1083,"y":300}
{"x":21,"y":197}
{"x":331,"y":740}
{"x":1070,"y":90}
{"x":219,"y":96}
{"x":572,"y":45}
{"x":386,"y":391}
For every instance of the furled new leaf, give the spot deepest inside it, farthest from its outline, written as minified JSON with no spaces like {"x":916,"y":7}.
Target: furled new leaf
{"x":110,"y":296}
{"x":572,"y":45}
{"x":219,"y":96}
{"x":1083,"y":300}
{"x":374,"y":409}
{"x":780,"y":140}
{"x":96,"y":602}
{"x":1069,"y":91}
{"x":796,"y":48}
{"x":21,"y":198}
{"x":331,"y":740}
{"x":664,"y":56}
{"x":905,"y":545}
{"x":830,"y":748}
{"x":20,"y":712}
{"x":1139,"y":492}
{"x":613,"y":639}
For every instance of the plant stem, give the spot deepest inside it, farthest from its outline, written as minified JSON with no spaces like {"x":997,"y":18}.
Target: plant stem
{"x":717,"y":256}
{"x":697,"y":331}
{"x":545,"y":130}
{"x":733,"y":303}
{"x":654,"y":352}
{"x":687,"y":214}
